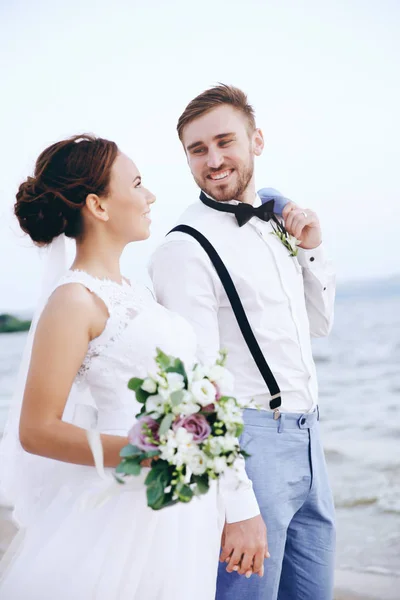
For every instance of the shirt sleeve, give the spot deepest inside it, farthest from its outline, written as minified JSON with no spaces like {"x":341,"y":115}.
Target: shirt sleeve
{"x":319,"y":288}
{"x":185,"y":281}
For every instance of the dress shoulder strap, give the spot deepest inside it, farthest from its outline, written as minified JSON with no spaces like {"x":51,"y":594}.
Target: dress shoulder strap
{"x":110,"y":292}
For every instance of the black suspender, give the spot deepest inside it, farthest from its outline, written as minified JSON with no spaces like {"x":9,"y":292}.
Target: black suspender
{"x":239,"y":313}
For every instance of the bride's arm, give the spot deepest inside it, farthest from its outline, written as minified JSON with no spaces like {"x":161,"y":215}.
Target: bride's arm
{"x":72,"y":317}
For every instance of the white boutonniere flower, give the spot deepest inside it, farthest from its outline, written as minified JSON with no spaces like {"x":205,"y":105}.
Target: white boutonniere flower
{"x":289,"y":241}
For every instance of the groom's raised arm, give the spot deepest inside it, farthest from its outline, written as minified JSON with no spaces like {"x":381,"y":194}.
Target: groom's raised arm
{"x":185,"y":281}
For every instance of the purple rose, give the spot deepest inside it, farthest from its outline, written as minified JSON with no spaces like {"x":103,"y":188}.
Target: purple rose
{"x":139,"y":435}
{"x":195,"y":424}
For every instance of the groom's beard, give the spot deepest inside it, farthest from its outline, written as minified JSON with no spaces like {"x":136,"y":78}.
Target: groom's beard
{"x":233,"y":189}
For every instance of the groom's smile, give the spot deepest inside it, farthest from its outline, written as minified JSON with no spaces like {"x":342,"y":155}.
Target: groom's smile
{"x":220,"y":175}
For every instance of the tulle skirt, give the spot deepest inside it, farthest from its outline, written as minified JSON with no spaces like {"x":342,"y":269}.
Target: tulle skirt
{"x":121,"y":550}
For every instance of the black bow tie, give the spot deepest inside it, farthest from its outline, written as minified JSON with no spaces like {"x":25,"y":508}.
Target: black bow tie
{"x":242,"y":211}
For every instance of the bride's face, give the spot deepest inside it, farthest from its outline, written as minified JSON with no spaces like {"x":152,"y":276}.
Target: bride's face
{"x":128,"y":202}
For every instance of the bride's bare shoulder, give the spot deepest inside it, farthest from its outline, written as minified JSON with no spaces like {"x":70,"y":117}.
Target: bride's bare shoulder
{"x":72,"y":296}
{"x":72,"y":304}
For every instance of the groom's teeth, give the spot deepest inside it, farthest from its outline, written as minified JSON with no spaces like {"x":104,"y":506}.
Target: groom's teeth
{"x":220,"y":175}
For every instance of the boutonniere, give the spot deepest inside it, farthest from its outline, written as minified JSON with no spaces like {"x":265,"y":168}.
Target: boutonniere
{"x":289,"y":241}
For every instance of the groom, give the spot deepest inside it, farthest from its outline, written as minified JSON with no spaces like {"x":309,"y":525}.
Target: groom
{"x":262,"y":305}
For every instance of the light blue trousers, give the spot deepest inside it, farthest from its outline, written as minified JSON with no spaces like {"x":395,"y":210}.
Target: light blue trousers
{"x":288,"y":471}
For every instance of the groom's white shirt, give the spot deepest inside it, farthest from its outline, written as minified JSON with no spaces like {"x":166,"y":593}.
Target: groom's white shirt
{"x":285,"y":298}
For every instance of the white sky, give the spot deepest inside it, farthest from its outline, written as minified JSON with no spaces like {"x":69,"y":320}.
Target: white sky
{"x":322,"y":76}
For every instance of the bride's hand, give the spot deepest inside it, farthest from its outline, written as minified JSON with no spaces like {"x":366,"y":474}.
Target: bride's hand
{"x":245,"y":546}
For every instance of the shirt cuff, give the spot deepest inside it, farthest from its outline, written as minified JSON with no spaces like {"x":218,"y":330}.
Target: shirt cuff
{"x":311,"y":258}
{"x":240,"y":505}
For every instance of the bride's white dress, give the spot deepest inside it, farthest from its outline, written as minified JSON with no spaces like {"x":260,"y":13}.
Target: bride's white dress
{"x":121,"y":550}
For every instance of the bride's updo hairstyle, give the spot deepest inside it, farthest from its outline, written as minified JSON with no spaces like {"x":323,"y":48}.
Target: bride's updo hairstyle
{"x":50,"y":203}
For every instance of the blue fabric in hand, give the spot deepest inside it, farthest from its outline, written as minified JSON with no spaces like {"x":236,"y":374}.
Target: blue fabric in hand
{"x":272,"y":194}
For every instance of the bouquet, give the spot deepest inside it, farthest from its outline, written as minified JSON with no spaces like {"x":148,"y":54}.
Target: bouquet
{"x":188,"y":426}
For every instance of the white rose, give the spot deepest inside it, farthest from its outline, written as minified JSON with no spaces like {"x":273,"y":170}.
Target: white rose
{"x":219,"y":464}
{"x":185,"y":446}
{"x":167,"y":453}
{"x":174,"y":383}
{"x":168,"y":447}
{"x":190,"y":408}
{"x":155,"y":405}
{"x":186,"y":406}
{"x":215,"y":446}
{"x":229,"y":412}
{"x":223,"y":379}
{"x":159,"y":379}
{"x":204,"y":392}
{"x":183,"y":438}
{"x":197,"y":463}
{"x":149,"y":385}
{"x":228,"y":443}
{"x":293,"y":243}
{"x":199,"y":373}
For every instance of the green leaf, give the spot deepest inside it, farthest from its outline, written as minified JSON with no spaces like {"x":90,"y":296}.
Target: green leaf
{"x":152,"y":475}
{"x":155,"y":494}
{"x":223,"y":354}
{"x":185,"y":493}
{"x":224,"y":399}
{"x":130,"y":450}
{"x":166,"y":424}
{"x":163,"y":360}
{"x":239,"y":430}
{"x":202,"y":483}
{"x":177,"y":366}
{"x":132,"y":468}
{"x":119,"y":479}
{"x":121,"y":467}
{"x":152,"y":453}
{"x":161,"y":475}
{"x":135,"y":383}
{"x":141,"y":395}
{"x":142,"y":412}
{"x":167,"y":501}
{"x":176,"y":397}
{"x":162,"y":464}
{"x":129,"y":467}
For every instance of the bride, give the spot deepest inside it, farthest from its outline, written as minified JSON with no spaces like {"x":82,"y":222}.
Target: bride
{"x":96,"y":331}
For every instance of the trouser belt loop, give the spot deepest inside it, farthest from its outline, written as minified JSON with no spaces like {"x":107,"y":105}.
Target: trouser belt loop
{"x":317,"y":412}
{"x":281,"y":423}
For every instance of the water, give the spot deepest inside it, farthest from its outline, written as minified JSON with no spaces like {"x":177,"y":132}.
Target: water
{"x":11,"y":347}
{"x":359,"y":377}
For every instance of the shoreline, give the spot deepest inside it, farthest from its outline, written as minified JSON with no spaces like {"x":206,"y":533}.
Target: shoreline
{"x":349,"y":585}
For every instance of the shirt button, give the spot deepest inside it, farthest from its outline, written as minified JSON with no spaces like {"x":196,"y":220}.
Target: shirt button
{"x":302,"y":421}
{"x":312,"y":259}
{"x":324,"y":289}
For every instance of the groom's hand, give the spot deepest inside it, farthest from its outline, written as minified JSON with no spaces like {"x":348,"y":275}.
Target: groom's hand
{"x":304,"y":224}
{"x":245,"y":546}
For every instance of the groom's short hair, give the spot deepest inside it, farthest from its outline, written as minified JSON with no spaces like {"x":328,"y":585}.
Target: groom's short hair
{"x":212,"y":98}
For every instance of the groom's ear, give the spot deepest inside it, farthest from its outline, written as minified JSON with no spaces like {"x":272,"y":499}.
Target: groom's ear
{"x":97,"y":207}
{"x":258,"y":142}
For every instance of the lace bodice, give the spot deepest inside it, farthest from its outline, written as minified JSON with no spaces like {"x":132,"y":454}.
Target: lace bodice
{"x":126,"y":348}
